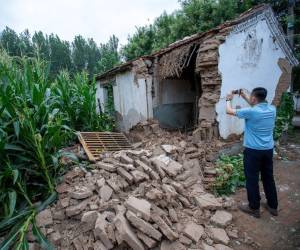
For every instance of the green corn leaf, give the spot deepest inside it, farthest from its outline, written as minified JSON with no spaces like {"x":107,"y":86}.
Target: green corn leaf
{"x":12,"y":195}
{"x":8,"y":222}
{"x":12,"y":236}
{"x":47,"y":202}
{"x":40,"y":237}
{"x":13,"y":147}
{"x":17,"y":128}
{"x":15,"y":173}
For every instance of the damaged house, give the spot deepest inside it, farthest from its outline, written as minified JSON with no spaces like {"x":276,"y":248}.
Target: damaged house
{"x":185,"y":84}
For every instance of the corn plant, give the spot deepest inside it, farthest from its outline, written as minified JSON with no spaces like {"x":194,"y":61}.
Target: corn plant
{"x":37,"y":118}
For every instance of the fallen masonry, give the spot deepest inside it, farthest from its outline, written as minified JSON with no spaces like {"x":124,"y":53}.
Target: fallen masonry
{"x":150,"y":198}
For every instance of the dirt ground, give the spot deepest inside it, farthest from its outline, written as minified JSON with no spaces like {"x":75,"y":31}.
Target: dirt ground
{"x":282,"y":232}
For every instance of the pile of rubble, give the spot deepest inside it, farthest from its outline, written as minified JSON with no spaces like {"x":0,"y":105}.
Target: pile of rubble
{"x":151,"y":197}
{"x":139,"y":199}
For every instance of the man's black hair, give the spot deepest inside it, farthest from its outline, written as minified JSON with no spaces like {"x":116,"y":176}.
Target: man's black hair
{"x":260,"y":93}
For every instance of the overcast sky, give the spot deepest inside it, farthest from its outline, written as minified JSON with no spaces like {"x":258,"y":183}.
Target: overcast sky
{"x":98,"y":19}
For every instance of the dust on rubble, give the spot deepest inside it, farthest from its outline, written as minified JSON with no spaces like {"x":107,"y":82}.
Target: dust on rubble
{"x":153,"y":196}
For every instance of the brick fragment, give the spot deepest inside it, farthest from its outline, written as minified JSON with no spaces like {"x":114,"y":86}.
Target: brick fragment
{"x":207,"y":201}
{"x":139,"y":176}
{"x":126,"y":233}
{"x":193,"y":231}
{"x":143,"y":226}
{"x":100,"y":231}
{"x":105,"y":193}
{"x":221,"y":218}
{"x":147,"y":240}
{"x":127,"y":176}
{"x":139,"y":206}
{"x":165,"y":229}
{"x":106,"y":166}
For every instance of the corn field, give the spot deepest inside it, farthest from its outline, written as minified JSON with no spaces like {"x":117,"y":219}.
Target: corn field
{"x":38,"y":117}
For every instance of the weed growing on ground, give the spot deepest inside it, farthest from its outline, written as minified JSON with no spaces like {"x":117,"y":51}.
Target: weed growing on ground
{"x":230,"y":174}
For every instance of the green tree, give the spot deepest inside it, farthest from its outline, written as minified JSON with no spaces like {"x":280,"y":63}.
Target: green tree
{"x":41,"y":45}
{"x":141,"y":43}
{"x":79,"y":53}
{"x":10,"y":42}
{"x":25,"y":44}
{"x":93,"y":55}
{"x":60,"y":55}
{"x":109,"y":56}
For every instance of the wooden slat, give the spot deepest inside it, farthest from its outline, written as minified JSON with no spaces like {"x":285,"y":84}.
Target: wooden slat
{"x":96,"y":142}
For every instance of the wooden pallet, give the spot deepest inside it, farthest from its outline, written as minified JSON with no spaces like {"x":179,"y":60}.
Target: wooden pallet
{"x":94,"y":143}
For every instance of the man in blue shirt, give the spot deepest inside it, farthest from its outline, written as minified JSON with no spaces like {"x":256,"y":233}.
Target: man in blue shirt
{"x":258,"y":153}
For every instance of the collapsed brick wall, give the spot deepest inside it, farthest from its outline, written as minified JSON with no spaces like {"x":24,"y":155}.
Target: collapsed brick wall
{"x":284,"y":81}
{"x":211,"y":80}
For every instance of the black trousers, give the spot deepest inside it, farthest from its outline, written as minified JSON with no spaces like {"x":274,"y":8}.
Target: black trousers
{"x":255,"y":162}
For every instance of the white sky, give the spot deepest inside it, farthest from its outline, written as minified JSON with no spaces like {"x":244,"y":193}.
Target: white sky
{"x":98,"y":19}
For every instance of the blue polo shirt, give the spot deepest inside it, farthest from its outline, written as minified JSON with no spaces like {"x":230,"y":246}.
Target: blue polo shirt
{"x":259,"y":125}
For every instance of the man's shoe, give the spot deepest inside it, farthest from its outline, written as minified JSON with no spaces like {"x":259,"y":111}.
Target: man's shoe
{"x":248,"y":210}
{"x":272,"y":211}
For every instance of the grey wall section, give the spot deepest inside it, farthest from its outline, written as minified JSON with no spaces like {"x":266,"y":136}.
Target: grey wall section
{"x":177,"y":101}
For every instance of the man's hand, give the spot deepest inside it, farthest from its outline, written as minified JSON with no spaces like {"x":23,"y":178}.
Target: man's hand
{"x":243,"y":93}
{"x":229,"y":109}
{"x":229,"y":97}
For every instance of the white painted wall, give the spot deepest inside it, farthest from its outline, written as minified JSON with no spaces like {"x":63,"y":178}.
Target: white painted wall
{"x":131,"y":100}
{"x":101,"y":94}
{"x":248,"y":59}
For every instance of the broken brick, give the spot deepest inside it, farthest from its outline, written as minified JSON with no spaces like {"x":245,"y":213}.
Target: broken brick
{"x":140,"y":206}
{"x":221,"y":218}
{"x":139,"y":176}
{"x":193,"y":231}
{"x":219,"y":235}
{"x":147,"y":240}
{"x":105,"y":193}
{"x":207,"y":201}
{"x":126,"y":233}
{"x":127,"y":176}
{"x":166,"y":230}
{"x":143,"y":226}
{"x":44,"y":218}
{"x":100,"y":232}
{"x":81,"y":194}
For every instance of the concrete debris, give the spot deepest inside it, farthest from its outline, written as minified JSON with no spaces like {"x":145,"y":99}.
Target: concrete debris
{"x":139,"y":206}
{"x":143,"y":226}
{"x":169,"y":245}
{"x":127,"y":234}
{"x":222,"y":247}
{"x":81,"y":193}
{"x":105,"y":193}
{"x":151,"y":198}
{"x":219,"y":235}
{"x":44,"y":218}
{"x":150,"y":243}
{"x":207,"y":247}
{"x":221,"y":218}
{"x":166,"y":230}
{"x":100,"y":231}
{"x":169,"y":148}
{"x":208,"y":201}
{"x":193,"y":231}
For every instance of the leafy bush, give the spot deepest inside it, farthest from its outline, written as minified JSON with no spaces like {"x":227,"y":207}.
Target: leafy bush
{"x":37,"y":118}
{"x":284,"y":115}
{"x":230,"y":174}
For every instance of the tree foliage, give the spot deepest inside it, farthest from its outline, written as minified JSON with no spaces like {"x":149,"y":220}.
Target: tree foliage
{"x":197,"y":16}
{"x":79,"y":55}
